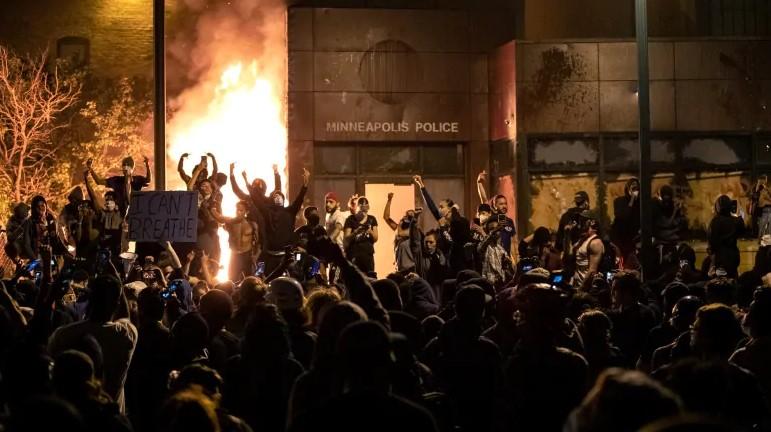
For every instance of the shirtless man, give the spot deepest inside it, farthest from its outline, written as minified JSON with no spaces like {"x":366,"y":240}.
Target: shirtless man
{"x":243,"y":236}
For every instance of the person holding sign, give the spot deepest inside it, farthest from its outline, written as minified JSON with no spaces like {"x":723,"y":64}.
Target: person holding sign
{"x":243,"y":238}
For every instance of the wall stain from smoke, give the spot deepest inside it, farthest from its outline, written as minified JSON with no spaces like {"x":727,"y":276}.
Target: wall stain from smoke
{"x":557,"y":67}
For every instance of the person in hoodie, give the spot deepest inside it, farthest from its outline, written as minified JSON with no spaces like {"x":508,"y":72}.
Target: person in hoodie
{"x":279,"y":224}
{"x":40,"y":229}
{"x":544,"y":380}
{"x":624,"y":231}
{"x":15,"y":230}
{"x":467,"y":365}
{"x":418,"y":297}
{"x":724,"y":231}
{"x":70,"y":215}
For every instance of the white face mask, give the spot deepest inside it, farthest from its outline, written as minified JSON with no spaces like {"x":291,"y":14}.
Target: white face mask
{"x":278,"y":200}
{"x":635,"y":193}
{"x":110,"y":205}
{"x":483,"y":218}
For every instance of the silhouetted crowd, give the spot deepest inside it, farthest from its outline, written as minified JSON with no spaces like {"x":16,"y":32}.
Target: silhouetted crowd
{"x":474,"y":330}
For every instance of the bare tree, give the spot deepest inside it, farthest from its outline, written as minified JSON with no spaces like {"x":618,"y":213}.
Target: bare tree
{"x":34,"y":96}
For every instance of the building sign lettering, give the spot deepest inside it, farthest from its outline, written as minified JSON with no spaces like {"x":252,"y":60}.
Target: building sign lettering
{"x":393,"y":127}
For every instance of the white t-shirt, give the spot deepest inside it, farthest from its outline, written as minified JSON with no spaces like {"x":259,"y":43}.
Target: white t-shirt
{"x":337,"y":217}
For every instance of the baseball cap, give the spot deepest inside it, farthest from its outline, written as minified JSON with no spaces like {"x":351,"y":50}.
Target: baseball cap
{"x":331,"y":196}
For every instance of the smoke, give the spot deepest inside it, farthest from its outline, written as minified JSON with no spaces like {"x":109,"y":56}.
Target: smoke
{"x":204,"y":35}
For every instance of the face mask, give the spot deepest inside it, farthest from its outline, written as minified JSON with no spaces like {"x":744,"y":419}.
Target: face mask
{"x":127,"y":169}
{"x":278,"y":200}
{"x":109,"y":205}
{"x":635,"y":193}
{"x":483,"y":218}
{"x":405,"y":223}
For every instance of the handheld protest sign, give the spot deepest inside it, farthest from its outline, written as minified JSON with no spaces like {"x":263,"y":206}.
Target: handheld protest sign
{"x":163,"y":215}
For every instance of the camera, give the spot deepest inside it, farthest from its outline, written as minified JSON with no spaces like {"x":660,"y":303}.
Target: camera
{"x":734,"y":206}
{"x":502,"y":219}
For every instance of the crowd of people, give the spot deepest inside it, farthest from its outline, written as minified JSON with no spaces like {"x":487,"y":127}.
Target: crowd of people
{"x":477,"y":328}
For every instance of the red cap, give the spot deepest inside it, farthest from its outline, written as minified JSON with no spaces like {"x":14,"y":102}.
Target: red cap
{"x":331,"y":196}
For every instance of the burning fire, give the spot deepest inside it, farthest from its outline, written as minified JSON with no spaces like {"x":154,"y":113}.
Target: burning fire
{"x":242,"y":123}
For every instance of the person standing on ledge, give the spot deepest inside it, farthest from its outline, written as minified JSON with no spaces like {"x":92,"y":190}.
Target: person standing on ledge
{"x":119,"y":183}
{"x":360,"y":236}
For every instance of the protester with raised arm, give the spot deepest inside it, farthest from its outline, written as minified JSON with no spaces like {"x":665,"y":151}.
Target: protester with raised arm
{"x":108,"y":218}
{"x":201,"y":166}
{"x":405,"y":246}
{"x":128,"y":181}
{"x":454,"y":228}
{"x":279,"y":222}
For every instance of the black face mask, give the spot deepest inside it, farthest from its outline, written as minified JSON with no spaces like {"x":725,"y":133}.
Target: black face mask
{"x":313,"y":219}
{"x":405,"y":223}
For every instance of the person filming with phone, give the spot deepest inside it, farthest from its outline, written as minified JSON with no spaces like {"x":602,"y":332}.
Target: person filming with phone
{"x":497,"y":266}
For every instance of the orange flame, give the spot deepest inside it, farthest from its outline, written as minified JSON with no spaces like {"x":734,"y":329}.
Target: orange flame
{"x":240,"y":120}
